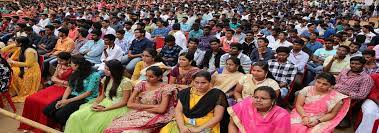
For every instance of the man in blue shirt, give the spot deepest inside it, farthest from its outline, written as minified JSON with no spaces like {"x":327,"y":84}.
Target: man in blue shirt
{"x":312,"y":44}
{"x":136,"y":49}
{"x":93,"y":49}
{"x":196,"y":32}
{"x":184,"y":26}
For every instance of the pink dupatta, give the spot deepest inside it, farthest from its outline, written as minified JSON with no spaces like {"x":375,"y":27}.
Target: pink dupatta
{"x":248,"y":120}
{"x":315,"y":106}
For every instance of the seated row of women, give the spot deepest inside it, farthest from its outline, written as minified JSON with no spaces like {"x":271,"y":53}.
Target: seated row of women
{"x":81,"y":104}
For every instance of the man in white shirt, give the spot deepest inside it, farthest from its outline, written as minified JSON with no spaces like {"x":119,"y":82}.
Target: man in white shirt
{"x":281,"y":42}
{"x":122,"y":41}
{"x":297,"y":56}
{"x":110,"y":52}
{"x":44,"y":21}
{"x":365,"y":31}
{"x":106,"y":29}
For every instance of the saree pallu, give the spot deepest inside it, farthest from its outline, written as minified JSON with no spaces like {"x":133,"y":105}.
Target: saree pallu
{"x":315,"y":106}
{"x":226,"y":82}
{"x":34,"y":104}
{"x":200,"y":109}
{"x":137,"y":121}
{"x":249,"y":120}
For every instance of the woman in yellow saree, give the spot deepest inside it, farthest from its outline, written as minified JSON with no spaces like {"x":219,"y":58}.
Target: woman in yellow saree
{"x":26,"y":75}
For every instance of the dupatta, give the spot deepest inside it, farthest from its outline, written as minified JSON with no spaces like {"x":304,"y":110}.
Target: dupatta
{"x":206,"y":104}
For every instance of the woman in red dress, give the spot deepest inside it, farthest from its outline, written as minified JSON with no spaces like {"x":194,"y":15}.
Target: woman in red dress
{"x":34,"y":104}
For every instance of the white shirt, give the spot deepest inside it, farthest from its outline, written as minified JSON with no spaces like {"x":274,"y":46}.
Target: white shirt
{"x":113,"y":53}
{"x":299,"y":59}
{"x":369,"y":36}
{"x":108,"y":30}
{"x":300,"y":29}
{"x":43,"y":23}
{"x":180,"y":39}
{"x":278,"y":44}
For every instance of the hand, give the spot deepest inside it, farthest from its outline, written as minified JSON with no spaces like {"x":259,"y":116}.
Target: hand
{"x":99,"y":108}
{"x":105,"y":47}
{"x":195,"y":129}
{"x":58,"y":105}
{"x":282,"y":84}
{"x":10,"y":61}
{"x":305,"y":120}
{"x":184,"y":129}
{"x":334,"y":58}
{"x":313,"y":123}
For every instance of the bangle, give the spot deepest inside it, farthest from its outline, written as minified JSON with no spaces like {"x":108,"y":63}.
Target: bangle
{"x":303,"y":116}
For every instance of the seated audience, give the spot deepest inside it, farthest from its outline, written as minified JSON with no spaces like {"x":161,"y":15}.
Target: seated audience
{"x":283,"y":71}
{"x":26,"y":72}
{"x":83,"y":85}
{"x":181,"y":75}
{"x":354,"y":49}
{"x":226,"y":78}
{"x":236,"y":51}
{"x":297,"y":56}
{"x":136,"y":48}
{"x":111,"y":51}
{"x":152,"y":103}
{"x":319,"y":107}
{"x":227,"y":40}
{"x":150,"y":58}
{"x":259,"y":114}
{"x":80,"y":41}
{"x":34,"y":104}
{"x":200,"y":108}
{"x":371,"y":66}
{"x":262,"y":52}
{"x":259,"y":76}
{"x":170,"y":51}
{"x":48,"y":41}
{"x":93,"y":117}
{"x":93,"y":49}
{"x":335,"y":64}
{"x":211,"y":61}
{"x":193,"y":48}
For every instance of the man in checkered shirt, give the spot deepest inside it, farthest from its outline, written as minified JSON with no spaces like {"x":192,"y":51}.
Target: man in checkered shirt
{"x":283,"y":70}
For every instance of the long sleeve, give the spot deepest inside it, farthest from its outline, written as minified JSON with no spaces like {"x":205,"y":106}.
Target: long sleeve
{"x":246,"y":63}
{"x":86,"y":46}
{"x":30,"y":57}
{"x":96,"y":50}
{"x":223,"y":61}
{"x":9,"y":49}
{"x":291,"y":74}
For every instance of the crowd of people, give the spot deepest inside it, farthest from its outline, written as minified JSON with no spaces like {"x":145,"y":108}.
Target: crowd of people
{"x":192,"y":66}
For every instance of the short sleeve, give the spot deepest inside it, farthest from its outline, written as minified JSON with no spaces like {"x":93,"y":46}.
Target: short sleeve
{"x":305,"y":91}
{"x":242,"y":80}
{"x":139,"y":87}
{"x":317,"y":52}
{"x":126,"y":84}
{"x":274,"y":84}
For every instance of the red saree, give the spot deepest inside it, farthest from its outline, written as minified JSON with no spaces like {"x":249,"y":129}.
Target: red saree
{"x":34,"y":104}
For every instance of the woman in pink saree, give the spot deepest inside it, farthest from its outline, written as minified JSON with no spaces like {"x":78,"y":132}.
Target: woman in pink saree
{"x":319,"y":108}
{"x":259,"y":114}
{"x":153,"y":104}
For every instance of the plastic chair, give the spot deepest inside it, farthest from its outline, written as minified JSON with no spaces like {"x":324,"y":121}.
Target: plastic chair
{"x":159,"y":42}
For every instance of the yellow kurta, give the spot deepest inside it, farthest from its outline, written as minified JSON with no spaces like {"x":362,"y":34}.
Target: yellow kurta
{"x":30,"y":82}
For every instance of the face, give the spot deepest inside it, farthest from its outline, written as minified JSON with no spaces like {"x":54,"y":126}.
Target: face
{"x":328,"y":44}
{"x":356,"y":66}
{"x":159,"y":23}
{"x":282,"y":36}
{"x":341,"y":51}
{"x":255,"y":28}
{"x":281,"y":57}
{"x":258,"y":72}
{"x":322,"y":85}
{"x":234,"y":51}
{"x":74,"y":66}
{"x":119,"y":35}
{"x":63,"y":62}
{"x":95,"y":37}
{"x":231,"y":66}
{"x":297,"y":46}
{"x":201,"y":84}
{"x":151,"y":78}
{"x":137,"y":33}
{"x":107,"y":41}
{"x":104,"y":24}
{"x":353,"y":48}
{"x":369,"y":58}
{"x":313,"y":37}
{"x":207,"y":31}
{"x":229,"y":34}
{"x":183,"y":61}
{"x":214,"y":45}
{"x":192,"y":45}
{"x":147,"y":57}
{"x":107,"y":72}
{"x":262,"y":100}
